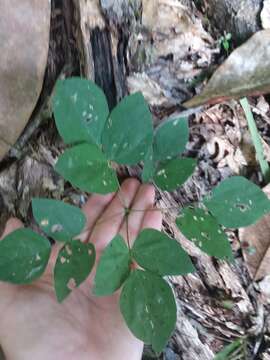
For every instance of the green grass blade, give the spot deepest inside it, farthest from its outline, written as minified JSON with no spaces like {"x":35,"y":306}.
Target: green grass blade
{"x":256,"y":139}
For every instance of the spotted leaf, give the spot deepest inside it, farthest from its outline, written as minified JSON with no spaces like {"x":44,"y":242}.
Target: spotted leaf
{"x":73,"y":265}
{"x":172,"y":174}
{"x":148,"y":307}
{"x":113,"y":267}
{"x":203,"y":229}
{"x":86,"y":167}
{"x":128,"y":132}
{"x":156,"y":252}
{"x":23,"y":256}
{"x":237,"y":202}
{"x":80,"y":110}
{"x":170,"y":139}
{"x":54,"y":217}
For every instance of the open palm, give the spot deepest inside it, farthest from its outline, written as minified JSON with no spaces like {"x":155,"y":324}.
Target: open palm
{"x":34,"y":326}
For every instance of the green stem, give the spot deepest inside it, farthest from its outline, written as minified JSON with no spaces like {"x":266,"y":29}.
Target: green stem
{"x":157,"y":209}
{"x":256,"y":139}
{"x":128,"y":240}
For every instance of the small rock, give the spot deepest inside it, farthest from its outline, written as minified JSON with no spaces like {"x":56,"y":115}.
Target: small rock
{"x":169,"y":354}
{"x":24,"y":41}
{"x":265,"y":15}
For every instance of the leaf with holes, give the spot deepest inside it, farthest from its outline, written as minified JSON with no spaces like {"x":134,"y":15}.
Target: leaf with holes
{"x":203,"y":229}
{"x":80,"y":110}
{"x":54,"y":217}
{"x":73,"y":265}
{"x":149,"y":166}
{"x":255,"y":241}
{"x":86,"y":167}
{"x":113,"y":267}
{"x":148,"y":307}
{"x":23,"y":256}
{"x":128,"y":132}
{"x":237,"y":202}
{"x":172,"y":174}
{"x":158,"y":253}
{"x":170,"y":138}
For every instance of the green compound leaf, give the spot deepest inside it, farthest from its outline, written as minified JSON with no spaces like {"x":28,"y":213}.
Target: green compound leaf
{"x":148,"y":307}
{"x":128,"y":132}
{"x":73,"y":265}
{"x":80,"y":110}
{"x":237,"y":202}
{"x":86,"y":167}
{"x":23,"y":256}
{"x":203,"y":229}
{"x":156,"y":252}
{"x":172,"y":174}
{"x":113,"y":267}
{"x":170,"y":138}
{"x":58,"y":220}
{"x":149,"y":166}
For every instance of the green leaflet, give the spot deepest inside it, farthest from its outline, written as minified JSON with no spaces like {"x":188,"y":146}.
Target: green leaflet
{"x":148,"y":307}
{"x":73,"y":265}
{"x":128,"y":132}
{"x":80,"y":110}
{"x":170,"y":139}
{"x":86,"y":167}
{"x":156,"y":252}
{"x":149,"y":166}
{"x":237,"y":202}
{"x":113,"y":267}
{"x":23,"y":256}
{"x":203,"y":229}
{"x":172,"y":174}
{"x":58,"y":220}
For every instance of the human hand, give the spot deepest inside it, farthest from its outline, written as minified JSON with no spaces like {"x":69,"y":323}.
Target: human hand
{"x":35,"y":326}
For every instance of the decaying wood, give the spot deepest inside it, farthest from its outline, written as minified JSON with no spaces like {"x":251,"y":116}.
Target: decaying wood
{"x":241,"y":18}
{"x":129,"y":46}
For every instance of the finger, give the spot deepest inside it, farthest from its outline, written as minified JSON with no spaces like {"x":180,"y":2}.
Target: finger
{"x":152,"y":219}
{"x":93,"y":209}
{"x":110,"y":222}
{"x":11,"y":225}
{"x":144,"y":200}
{"x":55,"y":248}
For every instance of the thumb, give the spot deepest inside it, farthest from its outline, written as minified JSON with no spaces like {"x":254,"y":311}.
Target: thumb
{"x":11,"y":225}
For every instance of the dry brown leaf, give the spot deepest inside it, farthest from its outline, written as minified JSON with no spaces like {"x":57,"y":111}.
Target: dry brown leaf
{"x":255,"y":242}
{"x":24,"y":41}
{"x":224,"y":130}
{"x":245,"y":72}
